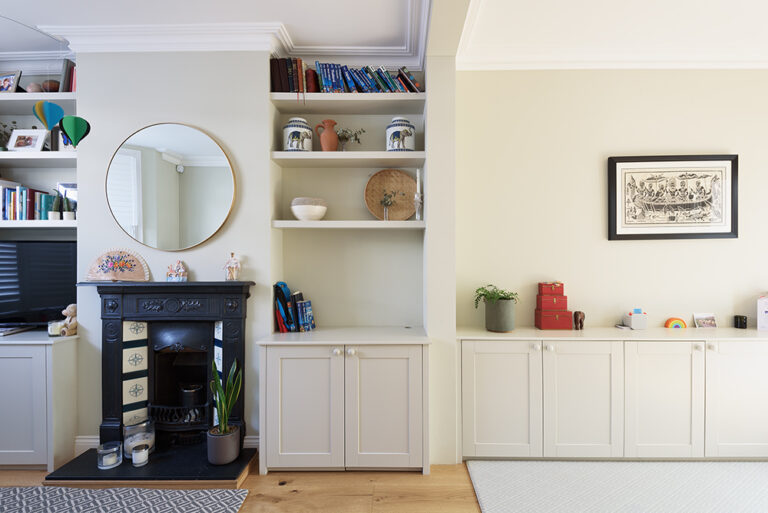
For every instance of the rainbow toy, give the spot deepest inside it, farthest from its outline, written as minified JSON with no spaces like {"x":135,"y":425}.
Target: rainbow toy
{"x":675,"y":322}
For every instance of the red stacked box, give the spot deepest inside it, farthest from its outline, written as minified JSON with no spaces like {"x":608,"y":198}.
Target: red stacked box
{"x":552,"y":308}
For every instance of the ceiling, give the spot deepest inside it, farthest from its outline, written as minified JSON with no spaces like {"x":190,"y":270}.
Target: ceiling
{"x":562,"y":34}
{"x":393,"y":31}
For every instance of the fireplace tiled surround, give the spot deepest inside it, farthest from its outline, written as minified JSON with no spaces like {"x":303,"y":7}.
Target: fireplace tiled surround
{"x":159,"y":335}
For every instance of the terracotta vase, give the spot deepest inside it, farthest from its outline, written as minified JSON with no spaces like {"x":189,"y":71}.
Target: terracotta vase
{"x":329,"y":141}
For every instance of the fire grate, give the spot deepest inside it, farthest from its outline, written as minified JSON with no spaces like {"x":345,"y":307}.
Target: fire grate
{"x":179,"y":418}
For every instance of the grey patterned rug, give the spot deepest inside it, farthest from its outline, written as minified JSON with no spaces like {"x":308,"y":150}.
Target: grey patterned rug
{"x":55,"y":499}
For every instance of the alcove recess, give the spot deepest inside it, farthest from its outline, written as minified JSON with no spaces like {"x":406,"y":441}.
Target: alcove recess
{"x":358,"y":271}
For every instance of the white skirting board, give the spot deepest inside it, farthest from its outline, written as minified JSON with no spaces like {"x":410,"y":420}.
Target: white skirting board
{"x":85,"y":442}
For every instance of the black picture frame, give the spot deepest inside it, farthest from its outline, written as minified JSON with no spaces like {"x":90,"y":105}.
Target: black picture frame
{"x":668,"y":208}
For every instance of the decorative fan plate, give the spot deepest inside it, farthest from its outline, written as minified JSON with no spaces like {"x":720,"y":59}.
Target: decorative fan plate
{"x":391,"y":180}
{"x":118,"y":265}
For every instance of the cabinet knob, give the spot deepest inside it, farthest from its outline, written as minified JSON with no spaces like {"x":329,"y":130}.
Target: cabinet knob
{"x":536,"y":347}
{"x":698,"y":347}
{"x":711,"y":347}
{"x":336,"y":351}
{"x":550,"y":348}
{"x":351,"y":351}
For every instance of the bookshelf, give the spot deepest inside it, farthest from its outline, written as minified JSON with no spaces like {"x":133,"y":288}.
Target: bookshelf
{"x":351,"y":225}
{"x":349,"y":103}
{"x":37,"y":170}
{"x":351,"y":159}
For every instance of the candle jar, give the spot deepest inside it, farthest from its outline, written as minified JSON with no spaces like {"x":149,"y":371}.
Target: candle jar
{"x":138,"y":434}
{"x":140,"y":455}
{"x":109,"y":455}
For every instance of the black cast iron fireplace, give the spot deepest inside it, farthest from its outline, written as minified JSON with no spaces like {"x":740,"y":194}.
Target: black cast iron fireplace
{"x":158,"y":342}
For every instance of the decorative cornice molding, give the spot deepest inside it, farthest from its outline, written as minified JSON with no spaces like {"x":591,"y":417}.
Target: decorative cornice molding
{"x":497,"y":64}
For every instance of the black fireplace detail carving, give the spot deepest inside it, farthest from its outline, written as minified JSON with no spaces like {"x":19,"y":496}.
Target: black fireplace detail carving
{"x":181,"y":318}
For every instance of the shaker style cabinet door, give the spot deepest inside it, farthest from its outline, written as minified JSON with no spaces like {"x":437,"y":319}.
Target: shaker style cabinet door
{"x":737,"y":399}
{"x":23,"y":423}
{"x":383,"y":406}
{"x":583,"y":399}
{"x":664,"y":399}
{"x":501,"y":388}
{"x":305,"y":401}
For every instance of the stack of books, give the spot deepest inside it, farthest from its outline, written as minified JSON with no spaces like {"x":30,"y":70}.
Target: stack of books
{"x":292,"y":311}
{"x":19,"y":203}
{"x":291,"y":75}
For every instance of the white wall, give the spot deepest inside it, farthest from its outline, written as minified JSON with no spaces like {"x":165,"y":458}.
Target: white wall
{"x":120,"y":93}
{"x":532,"y":189}
{"x":205,"y":195}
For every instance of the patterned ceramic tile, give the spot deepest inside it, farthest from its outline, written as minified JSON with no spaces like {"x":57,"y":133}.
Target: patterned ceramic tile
{"x":218,"y":332}
{"x":135,"y":416}
{"x":134,"y":330}
{"x":134,"y":359}
{"x":218,"y":357}
{"x":135,"y":390}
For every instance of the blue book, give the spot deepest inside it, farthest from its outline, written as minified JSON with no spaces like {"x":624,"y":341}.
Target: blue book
{"x":302,"y":312}
{"x":348,"y":79}
{"x":337,"y":86}
{"x":374,"y":85}
{"x":361,"y":83}
{"x":310,"y":316}
{"x":388,"y":79}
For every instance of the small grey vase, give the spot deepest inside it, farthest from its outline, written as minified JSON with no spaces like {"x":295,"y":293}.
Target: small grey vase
{"x":500,"y":315}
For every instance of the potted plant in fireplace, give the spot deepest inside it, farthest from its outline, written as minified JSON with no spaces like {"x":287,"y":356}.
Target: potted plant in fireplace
{"x":224,"y":439}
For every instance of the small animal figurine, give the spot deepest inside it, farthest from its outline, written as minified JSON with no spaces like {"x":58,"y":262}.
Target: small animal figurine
{"x":176,"y":272}
{"x":232,"y":268}
{"x":70,"y":323}
{"x":578,"y":320}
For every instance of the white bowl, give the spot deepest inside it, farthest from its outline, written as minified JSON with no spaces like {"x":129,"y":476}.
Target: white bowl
{"x":308,"y":212}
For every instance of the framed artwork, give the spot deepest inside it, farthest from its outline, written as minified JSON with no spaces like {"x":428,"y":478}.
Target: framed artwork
{"x":673,"y":197}
{"x":704,"y":320}
{"x":27,"y":140}
{"x":9,"y":80}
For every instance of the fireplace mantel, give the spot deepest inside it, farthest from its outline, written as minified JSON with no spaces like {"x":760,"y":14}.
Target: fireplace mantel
{"x":126,"y":303}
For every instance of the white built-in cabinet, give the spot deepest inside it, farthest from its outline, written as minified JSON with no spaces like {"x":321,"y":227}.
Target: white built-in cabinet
{"x":343,"y":406}
{"x":38,"y":400}
{"x":578,"y":398}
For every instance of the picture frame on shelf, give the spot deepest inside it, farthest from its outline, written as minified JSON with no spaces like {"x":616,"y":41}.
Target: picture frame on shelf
{"x":9,"y":81}
{"x":704,"y":320}
{"x":673,"y":197}
{"x":27,"y":140}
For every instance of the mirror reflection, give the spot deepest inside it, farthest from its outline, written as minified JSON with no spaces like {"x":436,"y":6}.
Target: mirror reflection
{"x":170,"y":186}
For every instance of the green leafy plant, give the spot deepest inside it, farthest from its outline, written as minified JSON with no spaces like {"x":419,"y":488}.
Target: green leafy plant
{"x":347,"y":135}
{"x":225,"y":396}
{"x":56,"y":201}
{"x":491,"y":294}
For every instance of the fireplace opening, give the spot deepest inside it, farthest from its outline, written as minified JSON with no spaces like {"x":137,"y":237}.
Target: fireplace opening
{"x":180,"y":370}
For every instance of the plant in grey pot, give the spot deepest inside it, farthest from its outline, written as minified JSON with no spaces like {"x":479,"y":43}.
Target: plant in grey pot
{"x":499,"y":307}
{"x":224,"y":440}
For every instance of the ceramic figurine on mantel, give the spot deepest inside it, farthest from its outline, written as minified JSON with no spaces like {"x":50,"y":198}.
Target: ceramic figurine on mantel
{"x":176,"y":272}
{"x":232,"y":268}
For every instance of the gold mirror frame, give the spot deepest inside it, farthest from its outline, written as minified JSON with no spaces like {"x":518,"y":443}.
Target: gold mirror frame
{"x":231,"y":170}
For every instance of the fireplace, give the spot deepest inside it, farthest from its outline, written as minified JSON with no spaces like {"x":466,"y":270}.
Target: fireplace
{"x":158,"y":342}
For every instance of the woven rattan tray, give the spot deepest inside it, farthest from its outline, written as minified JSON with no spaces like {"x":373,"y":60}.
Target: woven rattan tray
{"x":389,"y":180}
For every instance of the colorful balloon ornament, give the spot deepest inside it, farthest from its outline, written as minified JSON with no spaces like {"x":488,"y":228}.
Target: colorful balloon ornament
{"x":75,"y":128}
{"x":675,"y":322}
{"x":48,"y":113}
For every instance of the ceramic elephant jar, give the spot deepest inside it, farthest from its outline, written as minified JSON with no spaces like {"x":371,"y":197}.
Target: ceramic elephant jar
{"x":401,"y":135}
{"x":297,"y":135}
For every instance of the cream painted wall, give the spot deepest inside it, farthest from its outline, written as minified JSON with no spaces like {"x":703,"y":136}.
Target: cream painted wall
{"x":205,"y":194}
{"x":120,"y":93}
{"x":531,"y":202}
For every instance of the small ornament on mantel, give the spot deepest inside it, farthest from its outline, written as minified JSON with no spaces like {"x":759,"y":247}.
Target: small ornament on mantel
{"x":232,"y":268}
{"x":176,"y":272}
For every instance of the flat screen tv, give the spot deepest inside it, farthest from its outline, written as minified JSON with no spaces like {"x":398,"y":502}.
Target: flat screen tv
{"x":37,"y":281}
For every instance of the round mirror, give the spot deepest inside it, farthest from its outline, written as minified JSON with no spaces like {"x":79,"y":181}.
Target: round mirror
{"x":170,"y":186}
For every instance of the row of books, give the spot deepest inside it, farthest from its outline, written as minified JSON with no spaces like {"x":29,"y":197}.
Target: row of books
{"x":292,"y":311}
{"x":19,"y":203}
{"x":292,"y":75}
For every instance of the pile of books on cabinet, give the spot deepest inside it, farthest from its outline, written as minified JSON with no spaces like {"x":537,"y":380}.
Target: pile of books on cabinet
{"x":292,"y":75}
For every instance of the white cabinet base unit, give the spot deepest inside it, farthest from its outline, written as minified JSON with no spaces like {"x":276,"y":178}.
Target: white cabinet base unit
{"x":38,"y":380}
{"x":664,"y":399}
{"x":344,"y":398}
{"x":609,"y":393}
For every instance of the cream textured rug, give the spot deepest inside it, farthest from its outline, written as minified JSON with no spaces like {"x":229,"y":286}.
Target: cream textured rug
{"x":613,"y":487}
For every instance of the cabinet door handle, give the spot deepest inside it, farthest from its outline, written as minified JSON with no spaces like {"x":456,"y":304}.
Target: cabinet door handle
{"x":351,"y":351}
{"x":698,"y":347}
{"x":336,"y":351}
{"x":550,"y":348}
{"x":536,"y":347}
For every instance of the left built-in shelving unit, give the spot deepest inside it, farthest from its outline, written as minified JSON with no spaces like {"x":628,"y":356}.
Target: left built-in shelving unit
{"x":36,"y":170}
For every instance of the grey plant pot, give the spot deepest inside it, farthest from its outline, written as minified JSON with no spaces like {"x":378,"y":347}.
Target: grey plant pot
{"x":223,"y":449}
{"x":500,"y":316}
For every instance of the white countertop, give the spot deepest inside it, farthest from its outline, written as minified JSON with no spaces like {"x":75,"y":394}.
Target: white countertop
{"x":615,"y":334}
{"x":33,"y":338}
{"x":357,"y":335}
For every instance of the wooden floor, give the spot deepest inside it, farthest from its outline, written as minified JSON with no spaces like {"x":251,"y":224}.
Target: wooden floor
{"x":447,"y":489}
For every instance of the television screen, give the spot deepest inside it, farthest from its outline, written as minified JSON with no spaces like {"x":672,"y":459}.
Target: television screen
{"x":37,"y":281}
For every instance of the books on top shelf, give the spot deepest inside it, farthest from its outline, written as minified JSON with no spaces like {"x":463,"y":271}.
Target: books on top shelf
{"x":292,"y":75}
{"x":20,"y":203}
{"x":292,"y":312}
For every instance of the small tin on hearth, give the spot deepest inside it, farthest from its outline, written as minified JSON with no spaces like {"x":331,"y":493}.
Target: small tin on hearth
{"x":297,"y":135}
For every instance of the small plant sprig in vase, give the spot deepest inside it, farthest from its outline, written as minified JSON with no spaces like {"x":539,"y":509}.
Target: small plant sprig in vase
{"x":224,"y":439}
{"x":347,"y":135}
{"x":389,"y":199}
{"x":499,"y":307}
